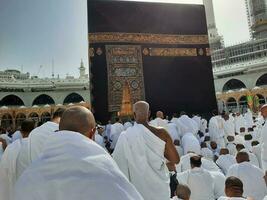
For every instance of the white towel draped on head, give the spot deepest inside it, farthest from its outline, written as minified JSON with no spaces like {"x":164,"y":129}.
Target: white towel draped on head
{"x":73,"y":167}
{"x":189,"y":125}
{"x":140,"y":155}
{"x":38,"y":137}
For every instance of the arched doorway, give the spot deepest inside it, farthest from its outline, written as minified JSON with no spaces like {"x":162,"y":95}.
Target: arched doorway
{"x":45,"y":117}
{"x":34,"y":116}
{"x":6,"y":121}
{"x":243,"y":104}
{"x":19,"y":119}
{"x":12,"y":100}
{"x":261,"y":99}
{"x":231,"y":104}
{"x":73,"y":98}
{"x":233,"y":84}
{"x":43,"y":99}
{"x":262,"y":80}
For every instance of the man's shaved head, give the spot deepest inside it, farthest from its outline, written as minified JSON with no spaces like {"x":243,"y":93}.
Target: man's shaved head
{"x":224,"y":151}
{"x":183,"y":192}
{"x":242,"y":157}
{"x":233,"y":187}
{"x":77,"y":119}
{"x":160,"y":114}
{"x":141,"y":111}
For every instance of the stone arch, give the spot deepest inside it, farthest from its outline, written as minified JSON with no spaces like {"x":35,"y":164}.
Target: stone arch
{"x":233,"y":84}
{"x":262,"y":80}
{"x":261,"y":99}
{"x":231,"y":104}
{"x":20,"y":118}
{"x":34,"y":116}
{"x":12,"y":100}
{"x":46,"y":116}
{"x":73,"y":98}
{"x":243,"y":103}
{"x":6,"y":120}
{"x":43,"y":99}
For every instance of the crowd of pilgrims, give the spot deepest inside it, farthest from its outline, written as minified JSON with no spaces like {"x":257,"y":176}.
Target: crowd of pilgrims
{"x":73,"y":158}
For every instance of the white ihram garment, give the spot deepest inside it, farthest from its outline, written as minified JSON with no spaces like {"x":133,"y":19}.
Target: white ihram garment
{"x":140,"y":156}
{"x":74,"y":167}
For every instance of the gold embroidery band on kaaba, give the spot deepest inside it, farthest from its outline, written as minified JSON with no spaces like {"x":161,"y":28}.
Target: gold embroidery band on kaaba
{"x":172,"y":52}
{"x":147,"y":38}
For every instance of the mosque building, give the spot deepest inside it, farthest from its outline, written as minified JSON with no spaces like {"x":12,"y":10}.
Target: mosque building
{"x":24,"y":96}
{"x":240,"y":71}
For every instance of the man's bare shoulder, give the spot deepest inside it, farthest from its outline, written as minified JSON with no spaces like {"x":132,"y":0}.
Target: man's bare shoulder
{"x":159,"y":131}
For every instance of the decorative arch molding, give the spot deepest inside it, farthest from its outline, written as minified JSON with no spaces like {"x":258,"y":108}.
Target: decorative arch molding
{"x":46,"y":116}
{"x":6,"y":120}
{"x":233,"y":84}
{"x":43,"y":99}
{"x":262,"y":80}
{"x":73,"y":98}
{"x":11,"y":100}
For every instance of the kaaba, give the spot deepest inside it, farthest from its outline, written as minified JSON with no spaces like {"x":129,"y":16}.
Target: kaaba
{"x":160,"y":50}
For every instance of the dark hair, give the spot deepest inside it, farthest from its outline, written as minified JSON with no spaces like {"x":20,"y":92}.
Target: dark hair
{"x":239,"y":147}
{"x":254,"y":143}
{"x":234,"y":183}
{"x":215,"y":112}
{"x":248,"y":137}
{"x":27,"y":125}
{"x":58,"y":113}
{"x":195,"y":161}
{"x":203,"y":145}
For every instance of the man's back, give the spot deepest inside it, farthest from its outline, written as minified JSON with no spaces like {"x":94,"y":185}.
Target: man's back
{"x":252,"y":178}
{"x":8,"y":169}
{"x":200,"y":183}
{"x":140,"y":155}
{"x":225,"y":162}
{"x":190,"y":143}
{"x":73,"y":167}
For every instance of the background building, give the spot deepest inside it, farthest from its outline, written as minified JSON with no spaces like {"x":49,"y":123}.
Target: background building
{"x":23,"y":96}
{"x":240,"y":71}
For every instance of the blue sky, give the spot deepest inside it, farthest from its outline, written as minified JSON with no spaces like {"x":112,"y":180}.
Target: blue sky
{"x":35,"y":32}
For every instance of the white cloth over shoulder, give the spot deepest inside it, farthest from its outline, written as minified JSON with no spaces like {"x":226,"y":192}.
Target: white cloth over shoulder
{"x":115,"y":132}
{"x":231,"y":198}
{"x":140,"y":156}
{"x":173,"y":131}
{"x":189,"y":125}
{"x":200,"y":183}
{"x":225,"y":162}
{"x":190,"y":143}
{"x":38,"y":137}
{"x":264,"y":147}
{"x":252,"y":179}
{"x":8,"y":170}
{"x":219,"y":182}
{"x":207,"y":153}
{"x":158,"y":122}
{"x":17,"y":135}
{"x":74,"y":167}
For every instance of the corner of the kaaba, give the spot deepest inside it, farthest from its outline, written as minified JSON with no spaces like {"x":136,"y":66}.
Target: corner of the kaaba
{"x":160,"y":49}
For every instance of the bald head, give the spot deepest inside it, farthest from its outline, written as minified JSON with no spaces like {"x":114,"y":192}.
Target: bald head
{"x":160,"y":114}
{"x":224,"y":151}
{"x":233,"y":187}
{"x":77,"y":119}
{"x":141,"y":111}
{"x":242,"y":157}
{"x":264,"y":111}
{"x":183,"y":192}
